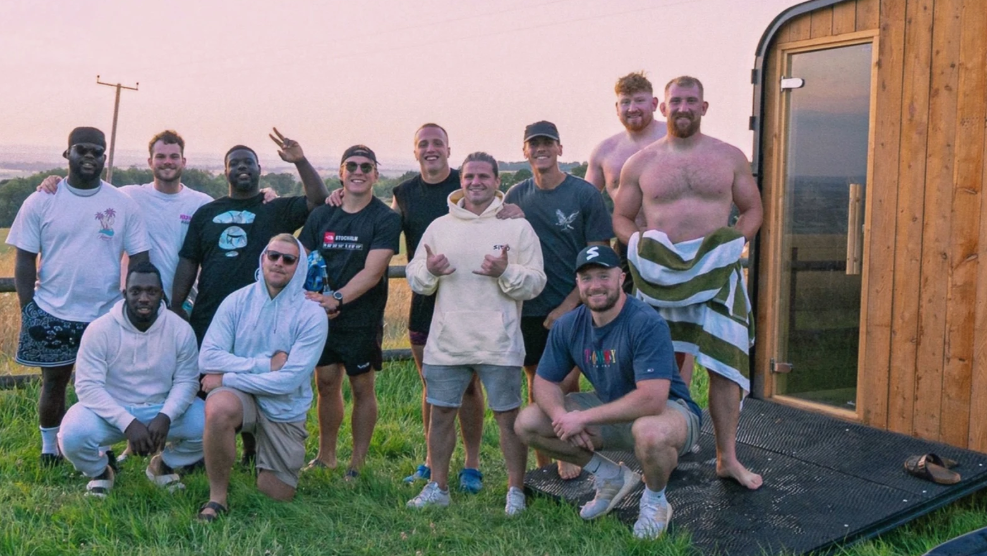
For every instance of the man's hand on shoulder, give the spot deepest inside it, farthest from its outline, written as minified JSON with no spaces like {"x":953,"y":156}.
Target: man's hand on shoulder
{"x":269,"y":194}
{"x":335,"y":199}
{"x":211,"y":382}
{"x":278,"y":360}
{"x":50,"y":184}
{"x":509,"y":211}
{"x":158,"y":429}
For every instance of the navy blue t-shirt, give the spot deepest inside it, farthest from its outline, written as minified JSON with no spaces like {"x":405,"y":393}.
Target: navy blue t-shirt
{"x":633,"y":347}
{"x":565,"y":219}
{"x":344,"y":240}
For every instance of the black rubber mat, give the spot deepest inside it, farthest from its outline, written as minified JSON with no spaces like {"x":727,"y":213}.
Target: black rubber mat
{"x":826,"y":483}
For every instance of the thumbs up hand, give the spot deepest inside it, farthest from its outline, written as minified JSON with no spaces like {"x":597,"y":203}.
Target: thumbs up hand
{"x":438,"y":265}
{"x":494,"y":266}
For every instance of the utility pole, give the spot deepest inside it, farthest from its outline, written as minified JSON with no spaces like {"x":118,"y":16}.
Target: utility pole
{"x":116,"y":111}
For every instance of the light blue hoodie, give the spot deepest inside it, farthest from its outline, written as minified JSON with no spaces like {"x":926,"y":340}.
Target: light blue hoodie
{"x":250,"y":327}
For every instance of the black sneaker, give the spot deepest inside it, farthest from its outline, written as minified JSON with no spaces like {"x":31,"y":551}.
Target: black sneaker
{"x":49,"y":461}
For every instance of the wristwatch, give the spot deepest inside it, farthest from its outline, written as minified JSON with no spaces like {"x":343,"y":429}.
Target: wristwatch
{"x":338,"y":296}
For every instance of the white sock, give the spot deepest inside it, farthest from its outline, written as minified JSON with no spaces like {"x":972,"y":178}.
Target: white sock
{"x":49,"y":441}
{"x":602,"y":467}
{"x":651,"y":497}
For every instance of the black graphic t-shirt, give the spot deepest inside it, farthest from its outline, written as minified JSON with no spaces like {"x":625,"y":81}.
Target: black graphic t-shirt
{"x":566,"y":219}
{"x":420,"y":204}
{"x":344,"y":240}
{"x":226,"y":238}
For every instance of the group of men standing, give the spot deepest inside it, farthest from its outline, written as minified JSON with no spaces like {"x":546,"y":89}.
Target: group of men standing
{"x":500,"y":283}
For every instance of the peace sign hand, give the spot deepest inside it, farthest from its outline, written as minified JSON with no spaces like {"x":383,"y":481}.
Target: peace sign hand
{"x":290,"y":151}
{"x":494,"y":266}
{"x":438,"y":265}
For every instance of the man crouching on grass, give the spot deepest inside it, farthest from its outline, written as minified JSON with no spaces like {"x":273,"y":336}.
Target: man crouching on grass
{"x":624,"y":348}
{"x":258,"y":356}
{"x":136,"y":378}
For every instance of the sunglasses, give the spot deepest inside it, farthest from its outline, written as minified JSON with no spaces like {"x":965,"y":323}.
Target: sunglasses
{"x":84,"y":150}
{"x":364,"y":167}
{"x":273,"y":256}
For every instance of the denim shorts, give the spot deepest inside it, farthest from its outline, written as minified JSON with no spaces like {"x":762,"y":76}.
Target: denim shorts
{"x":445,"y":384}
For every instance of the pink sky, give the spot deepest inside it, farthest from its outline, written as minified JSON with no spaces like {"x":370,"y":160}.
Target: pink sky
{"x":331,"y":74}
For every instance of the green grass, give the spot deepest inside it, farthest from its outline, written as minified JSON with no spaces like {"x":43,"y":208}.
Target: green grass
{"x":46,"y":513}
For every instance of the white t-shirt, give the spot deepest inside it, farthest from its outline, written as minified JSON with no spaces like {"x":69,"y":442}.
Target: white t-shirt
{"x":81,"y":237}
{"x":167,"y":217}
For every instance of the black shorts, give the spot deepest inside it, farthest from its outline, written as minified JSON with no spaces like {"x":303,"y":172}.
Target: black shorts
{"x":46,"y":340}
{"x":535,"y":338}
{"x":621,"y":249}
{"x":420,"y":315}
{"x":358,"y":349}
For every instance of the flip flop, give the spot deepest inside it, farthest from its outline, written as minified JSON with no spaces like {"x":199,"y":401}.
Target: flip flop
{"x":99,"y":488}
{"x":214,"y":506}
{"x":170,"y":482}
{"x":933,"y":468}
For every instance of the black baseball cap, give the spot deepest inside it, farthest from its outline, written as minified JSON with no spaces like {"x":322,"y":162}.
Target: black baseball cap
{"x":358,"y":150}
{"x":541,"y":129}
{"x":597,"y":255}
{"x":87,"y":135}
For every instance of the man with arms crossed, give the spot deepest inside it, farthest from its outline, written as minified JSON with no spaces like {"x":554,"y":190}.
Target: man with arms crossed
{"x":136,"y":378}
{"x":623,"y":348}
{"x":685,"y":184}
{"x":568,"y":214}
{"x":636,"y":105}
{"x":476,"y":326}
{"x":258,"y":356}
{"x":79,"y":275}
{"x":356,"y":242}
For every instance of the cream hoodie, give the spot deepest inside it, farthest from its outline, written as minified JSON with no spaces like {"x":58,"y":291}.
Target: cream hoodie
{"x":119,"y":366}
{"x":477,"y":318}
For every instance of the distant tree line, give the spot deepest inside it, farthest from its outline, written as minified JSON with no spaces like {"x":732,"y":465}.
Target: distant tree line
{"x":14,"y":191}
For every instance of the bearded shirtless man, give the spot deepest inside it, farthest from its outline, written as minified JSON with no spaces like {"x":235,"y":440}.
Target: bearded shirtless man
{"x":636,"y":105}
{"x":686,"y":184}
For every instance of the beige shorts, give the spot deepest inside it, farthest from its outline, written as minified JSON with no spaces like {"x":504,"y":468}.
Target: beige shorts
{"x":280,"y":446}
{"x":619,"y":436}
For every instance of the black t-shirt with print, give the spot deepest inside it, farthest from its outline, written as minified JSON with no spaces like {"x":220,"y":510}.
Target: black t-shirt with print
{"x":344,"y":240}
{"x":226,"y":238}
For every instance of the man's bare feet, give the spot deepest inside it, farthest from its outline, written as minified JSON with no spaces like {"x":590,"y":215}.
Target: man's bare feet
{"x":569,"y":470}
{"x":739,"y":473}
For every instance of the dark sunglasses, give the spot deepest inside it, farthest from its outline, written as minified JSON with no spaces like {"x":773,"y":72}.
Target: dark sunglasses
{"x":364,"y":167}
{"x":273,"y":256}
{"x":84,"y":150}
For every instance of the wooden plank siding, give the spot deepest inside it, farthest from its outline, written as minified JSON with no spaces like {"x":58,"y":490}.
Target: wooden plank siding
{"x":923,"y":364}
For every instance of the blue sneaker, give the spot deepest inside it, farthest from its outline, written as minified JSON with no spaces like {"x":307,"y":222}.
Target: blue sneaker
{"x":470,"y":480}
{"x":423,"y":473}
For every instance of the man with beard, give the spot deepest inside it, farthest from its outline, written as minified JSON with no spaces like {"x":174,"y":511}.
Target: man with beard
{"x":225,"y":237}
{"x":568,"y":214}
{"x":79,"y":275}
{"x":640,"y":403}
{"x":137,"y":378}
{"x":636,"y":105}
{"x":258,"y":356}
{"x":686,"y":261}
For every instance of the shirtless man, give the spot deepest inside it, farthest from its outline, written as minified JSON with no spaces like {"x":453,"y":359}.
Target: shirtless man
{"x":686,"y":184}
{"x":636,"y":105}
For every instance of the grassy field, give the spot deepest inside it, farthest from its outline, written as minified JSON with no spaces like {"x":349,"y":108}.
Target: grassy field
{"x":47,"y":514}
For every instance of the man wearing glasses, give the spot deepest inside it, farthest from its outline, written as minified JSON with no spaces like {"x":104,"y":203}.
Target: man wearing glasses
{"x":356,"y":241}
{"x":258,"y":356}
{"x":80,"y":232}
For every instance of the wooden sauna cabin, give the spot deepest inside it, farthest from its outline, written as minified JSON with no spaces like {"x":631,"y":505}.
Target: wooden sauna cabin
{"x":869,"y":275}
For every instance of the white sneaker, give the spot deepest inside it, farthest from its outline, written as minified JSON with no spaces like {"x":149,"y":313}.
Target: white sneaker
{"x":431,"y":495}
{"x":609,"y":493}
{"x":653,"y":520}
{"x":515,"y":501}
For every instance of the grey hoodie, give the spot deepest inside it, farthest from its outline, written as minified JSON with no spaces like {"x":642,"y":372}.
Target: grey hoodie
{"x":249,"y":327}
{"x":119,"y":366}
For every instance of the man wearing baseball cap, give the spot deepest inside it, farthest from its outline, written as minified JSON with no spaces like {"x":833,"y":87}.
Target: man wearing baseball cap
{"x":640,"y":403}
{"x":79,"y":276}
{"x":568,"y":214}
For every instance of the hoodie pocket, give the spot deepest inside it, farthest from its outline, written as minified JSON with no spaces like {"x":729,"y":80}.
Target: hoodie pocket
{"x":470,"y":331}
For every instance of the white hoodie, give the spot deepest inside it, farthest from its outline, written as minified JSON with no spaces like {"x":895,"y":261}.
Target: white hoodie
{"x":118,"y":366}
{"x":249,"y":327}
{"x":477,"y":318}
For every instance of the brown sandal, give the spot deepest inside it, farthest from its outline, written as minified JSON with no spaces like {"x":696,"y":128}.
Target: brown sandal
{"x":932,"y":468}
{"x":214,"y":506}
